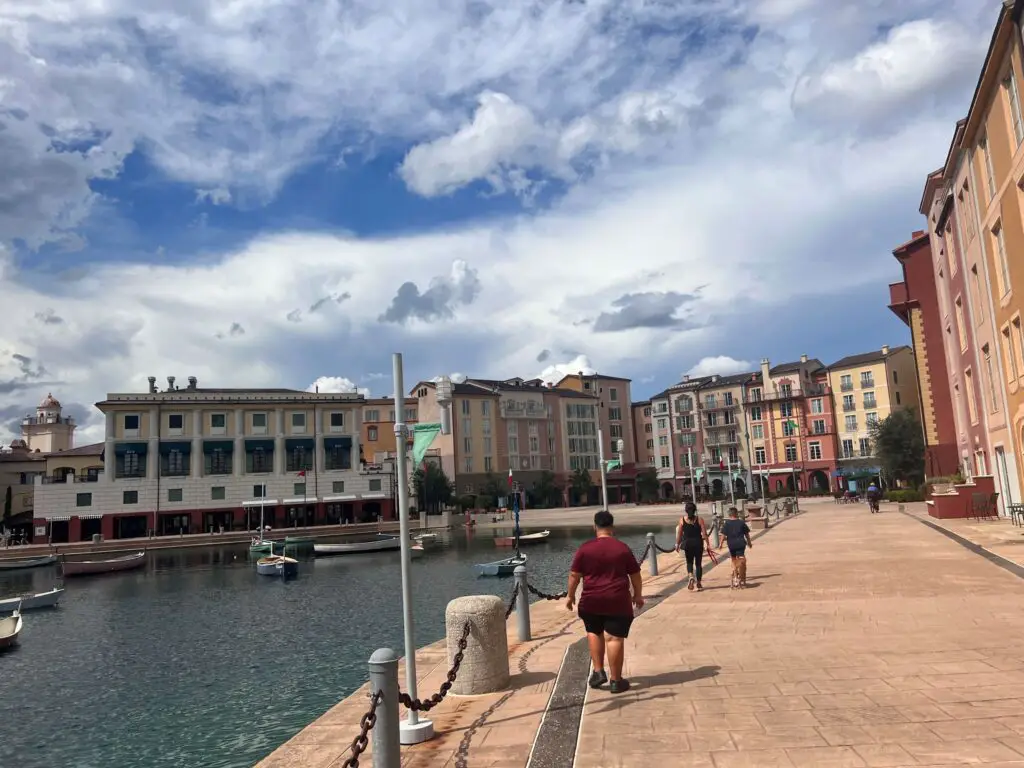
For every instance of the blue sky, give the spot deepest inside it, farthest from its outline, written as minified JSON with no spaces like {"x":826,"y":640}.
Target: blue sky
{"x":264,"y":193}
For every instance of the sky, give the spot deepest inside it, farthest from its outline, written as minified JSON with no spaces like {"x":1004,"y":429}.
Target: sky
{"x":268,"y":193}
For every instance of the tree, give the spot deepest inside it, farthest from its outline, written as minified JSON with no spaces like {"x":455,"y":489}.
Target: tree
{"x":546,"y":492}
{"x":490,"y":493}
{"x":647,"y":484}
{"x":433,"y":488}
{"x":899,"y":444}
{"x":580,"y":483}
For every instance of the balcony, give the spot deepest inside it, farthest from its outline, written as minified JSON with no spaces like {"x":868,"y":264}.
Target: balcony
{"x":717,"y":405}
{"x":868,"y":383}
{"x":846,"y":386}
{"x":36,"y":421}
{"x":790,"y":394}
{"x":523,"y":409}
{"x":872,"y":404}
{"x":849,"y":407}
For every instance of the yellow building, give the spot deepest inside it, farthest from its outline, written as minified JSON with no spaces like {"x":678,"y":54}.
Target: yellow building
{"x":868,"y":388}
{"x":378,"y":428}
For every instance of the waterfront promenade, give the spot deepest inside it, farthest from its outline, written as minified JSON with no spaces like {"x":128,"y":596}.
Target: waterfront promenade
{"x":863,"y":641}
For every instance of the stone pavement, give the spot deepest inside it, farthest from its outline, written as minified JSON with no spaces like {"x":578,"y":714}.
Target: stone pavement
{"x":862,"y":641}
{"x":996,"y":534}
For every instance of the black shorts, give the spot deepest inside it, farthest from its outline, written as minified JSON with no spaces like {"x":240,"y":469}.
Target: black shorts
{"x":616,"y":626}
{"x":739,"y":551}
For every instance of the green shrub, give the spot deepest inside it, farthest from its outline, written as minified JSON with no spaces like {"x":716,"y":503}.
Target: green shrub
{"x":904,"y":497}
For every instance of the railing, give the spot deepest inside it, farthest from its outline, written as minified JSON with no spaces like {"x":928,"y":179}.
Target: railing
{"x":870,"y":404}
{"x":848,"y":407}
{"x":846,"y":387}
{"x":867,"y":383}
{"x":793,"y":394}
{"x":529,"y":409}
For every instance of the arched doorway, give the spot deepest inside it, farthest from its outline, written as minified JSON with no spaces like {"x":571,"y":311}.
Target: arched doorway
{"x":778,"y":486}
{"x":667,"y":491}
{"x":740,"y":486}
{"x":789,"y":483}
{"x":717,"y":487}
{"x":819,"y":480}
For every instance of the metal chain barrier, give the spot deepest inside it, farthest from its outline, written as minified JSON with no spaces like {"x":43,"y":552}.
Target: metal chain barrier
{"x":544,"y":595}
{"x":512,"y":602}
{"x":646,"y":552}
{"x":362,"y":741}
{"x":425,"y":705}
{"x":663,"y":550}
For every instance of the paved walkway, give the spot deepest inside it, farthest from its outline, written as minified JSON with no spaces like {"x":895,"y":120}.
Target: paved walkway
{"x":863,"y":641}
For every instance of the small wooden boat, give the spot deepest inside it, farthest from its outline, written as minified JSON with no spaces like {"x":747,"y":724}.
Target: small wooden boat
{"x":299,"y":541}
{"x":530,"y":538}
{"x":277,"y":565}
{"x":265,"y":547}
{"x":381,"y":543}
{"x":27,"y":562}
{"x":31,"y":602}
{"x":10,"y":628}
{"x":500,"y":567}
{"x":111,"y":565}
{"x":426,"y":539}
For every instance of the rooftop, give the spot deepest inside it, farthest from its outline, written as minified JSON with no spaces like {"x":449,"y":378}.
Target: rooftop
{"x":868,"y":357}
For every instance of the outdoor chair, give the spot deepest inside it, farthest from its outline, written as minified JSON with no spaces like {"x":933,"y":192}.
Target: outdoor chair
{"x":1016,"y":512}
{"x":983,"y":505}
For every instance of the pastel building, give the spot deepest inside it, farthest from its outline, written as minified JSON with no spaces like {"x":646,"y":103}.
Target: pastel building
{"x":196,"y":459}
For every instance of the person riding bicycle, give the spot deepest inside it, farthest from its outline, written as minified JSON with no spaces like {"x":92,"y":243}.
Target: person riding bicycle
{"x":874,"y":495}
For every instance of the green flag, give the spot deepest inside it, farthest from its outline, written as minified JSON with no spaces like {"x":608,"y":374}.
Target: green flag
{"x":698,"y":474}
{"x":793,"y":425}
{"x":422,"y":437}
{"x":613,"y":464}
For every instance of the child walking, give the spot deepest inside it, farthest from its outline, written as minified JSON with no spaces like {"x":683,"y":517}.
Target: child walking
{"x":737,"y":536}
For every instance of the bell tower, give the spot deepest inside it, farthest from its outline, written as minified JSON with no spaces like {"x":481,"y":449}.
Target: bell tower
{"x":48,"y":431}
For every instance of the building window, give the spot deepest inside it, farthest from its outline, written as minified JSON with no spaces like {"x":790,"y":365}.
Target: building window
{"x":898,"y":398}
{"x":175,"y":423}
{"x":298,"y":423}
{"x":788,"y":428}
{"x":972,"y":403}
{"x":467,"y":464}
{"x":665,"y":462}
{"x":990,"y":381}
{"x":337,"y":421}
{"x":371,"y":434}
{"x":650,"y":444}
{"x":865,"y":447}
{"x":1013,"y":97}
{"x":217,"y":493}
{"x":867,"y":379}
{"x":338,"y":457}
{"x":711,"y":419}
{"x":466,"y":406}
{"x":814,"y":451}
{"x":760,"y":457}
{"x":83,"y":499}
{"x":786,"y":390}
{"x":613,"y":394}
{"x":467,"y":445}
{"x":130,"y":497}
{"x":990,"y":173}
{"x":757,"y":431}
{"x":790,"y":453}
{"x":846,"y":382}
{"x":217,"y":462}
{"x":375,"y":484}
{"x":851,"y":423}
{"x":218,"y":423}
{"x":421,"y":392}
{"x":615,"y":414}
{"x":870,"y":419}
{"x":895,"y":378}
{"x":174,"y":463}
{"x":372,"y":415}
{"x":817,"y":405}
{"x":1009,"y":354}
{"x":961,"y":328}
{"x":410,"y":414}
{"x":727,"y":397}
{"x":259,"y":460}
{"x":299,"y":489}
{"x":755,"y":413}
{"x":819,"y":426}
{"x":869,"y":400}
{"x":847,"y":448}
{"x":977,"y":303}
{"x":131,"y":464}
{"x":485,"y":407}
{"x":259,"y":491}
{"x":785,"y":410}
{"x":259,"y":423}
{"x":131,"y":425}
{"x":848,"y":404}
{"x":174,"y":494}
{"x":755,"y":395}
{"x":1002,"y":264}
{"x":663,"y":440}
{"x":488,"y":464}
{"x":299,"y":460}
{"x":338,"y":486}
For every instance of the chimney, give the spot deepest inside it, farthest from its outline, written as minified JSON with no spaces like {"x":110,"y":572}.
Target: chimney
{"x":170,"y":383}
{"x":885,"y":349}
{"x":714,"y":378}
{"x":803,"y":358}
{"x":686,"y":377}
{"x":193,"y":382}
{"x":152,"y":384}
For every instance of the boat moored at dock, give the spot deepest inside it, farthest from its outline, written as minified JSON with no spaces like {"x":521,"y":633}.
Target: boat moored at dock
{"x":109,"y":565}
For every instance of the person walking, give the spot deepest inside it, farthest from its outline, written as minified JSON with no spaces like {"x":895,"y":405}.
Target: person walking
{"x":612,"y":586}
{"x":737,"y":536}
{"x":874,"y":496}
{"x":692,"y":538}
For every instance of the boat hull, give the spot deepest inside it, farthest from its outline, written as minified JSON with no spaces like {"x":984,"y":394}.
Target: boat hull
{"x":10,"y":628}
{"x":299,"y":541}
{"x":277,"y":565}
{"x":266,"y":548}
{"x":381,"y":544}
{"x":113,"y":565}
{"x":530,"y":538}
{"x":500,"y":567}
{"x":27,"y":562}
{"x":31,"y":602}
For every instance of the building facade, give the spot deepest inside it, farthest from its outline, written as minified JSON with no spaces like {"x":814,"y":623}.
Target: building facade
{"x":196,"y":459}
{"x":915,"y":301}
{"x":377,"y":431}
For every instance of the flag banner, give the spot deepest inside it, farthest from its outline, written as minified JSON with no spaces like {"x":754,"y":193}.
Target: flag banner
{"x":698,"y":473}
{"x":423,"y":436}
{"x":614,"y":464}
{"x":510,"y":476}
{"x":302,"y":473}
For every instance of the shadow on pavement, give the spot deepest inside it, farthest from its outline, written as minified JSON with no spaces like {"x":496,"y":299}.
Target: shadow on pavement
{"x":676,"y":677}
{"x":526,"y":679}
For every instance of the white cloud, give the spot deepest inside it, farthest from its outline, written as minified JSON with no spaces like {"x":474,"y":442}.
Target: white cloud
{"x":337,"y":384}
{"x":552,"y":374}
{"x":722,"y":365}
{"x":215,"y":196}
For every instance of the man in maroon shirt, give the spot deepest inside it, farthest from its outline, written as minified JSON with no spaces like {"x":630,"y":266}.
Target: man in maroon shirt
{"x":608,"y":568}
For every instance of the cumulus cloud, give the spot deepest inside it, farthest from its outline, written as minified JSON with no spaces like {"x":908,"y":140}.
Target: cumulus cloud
{"x":337,"y":384}
{"x":552,"y":374}
{"x":215,"y":196}
{"x":650,"y":309}
{"x":439,"y":302}
{"x":721,"y":365}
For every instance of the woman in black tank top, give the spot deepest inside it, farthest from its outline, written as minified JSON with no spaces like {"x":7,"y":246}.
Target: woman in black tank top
{"x":692,"y":539}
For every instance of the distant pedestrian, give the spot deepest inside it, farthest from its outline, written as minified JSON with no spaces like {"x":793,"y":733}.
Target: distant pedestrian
{"x":692,"y":538}
{"x":874,"y":496}
{"x":737,"y":536}
{"x":608,"y":569}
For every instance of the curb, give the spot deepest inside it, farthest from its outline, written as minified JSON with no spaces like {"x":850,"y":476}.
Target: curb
{"x":1007,"y":565}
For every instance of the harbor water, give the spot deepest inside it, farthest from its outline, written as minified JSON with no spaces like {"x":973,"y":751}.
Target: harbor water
{"x":197,"y":662}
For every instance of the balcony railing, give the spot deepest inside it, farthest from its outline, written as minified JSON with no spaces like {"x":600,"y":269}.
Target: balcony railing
{"x":717,"y":405}
{"x":523,"y":409}
{"x":870,"y":404}
{"x":846,"y":386}
{"x":849,"y":407}
{"x":792,"y":394}
{"x":867,"y":383}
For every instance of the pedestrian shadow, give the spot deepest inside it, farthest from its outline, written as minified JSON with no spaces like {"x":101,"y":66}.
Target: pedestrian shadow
{"x":527,"y":679}
{"x":751,"y":584}
{"x":622,"y":701}
{"x":675,"y":677}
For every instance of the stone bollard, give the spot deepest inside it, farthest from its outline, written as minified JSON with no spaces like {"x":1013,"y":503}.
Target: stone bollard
{"x":716,"y":536}
{"x":522,"y":604}
{"x":485,"y":661}
{"x":652,"y":556}
{"x":384,"y":678}
{"x":901,"y":508}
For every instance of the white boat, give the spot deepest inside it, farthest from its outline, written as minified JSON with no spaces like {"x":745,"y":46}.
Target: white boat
{"x":529,"y":538}
{"x":110,"y":565}
{"x":277,"y":565}
{"x":381,"y":543}
{"x":426,"y":539}
{"x":500,"y":567}
{"x":26,"y":562}
{"x":10,"y":628}
{"x":30,"y":602}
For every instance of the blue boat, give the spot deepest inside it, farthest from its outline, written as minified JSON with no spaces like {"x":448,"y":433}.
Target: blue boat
{"x":507,"y":566}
